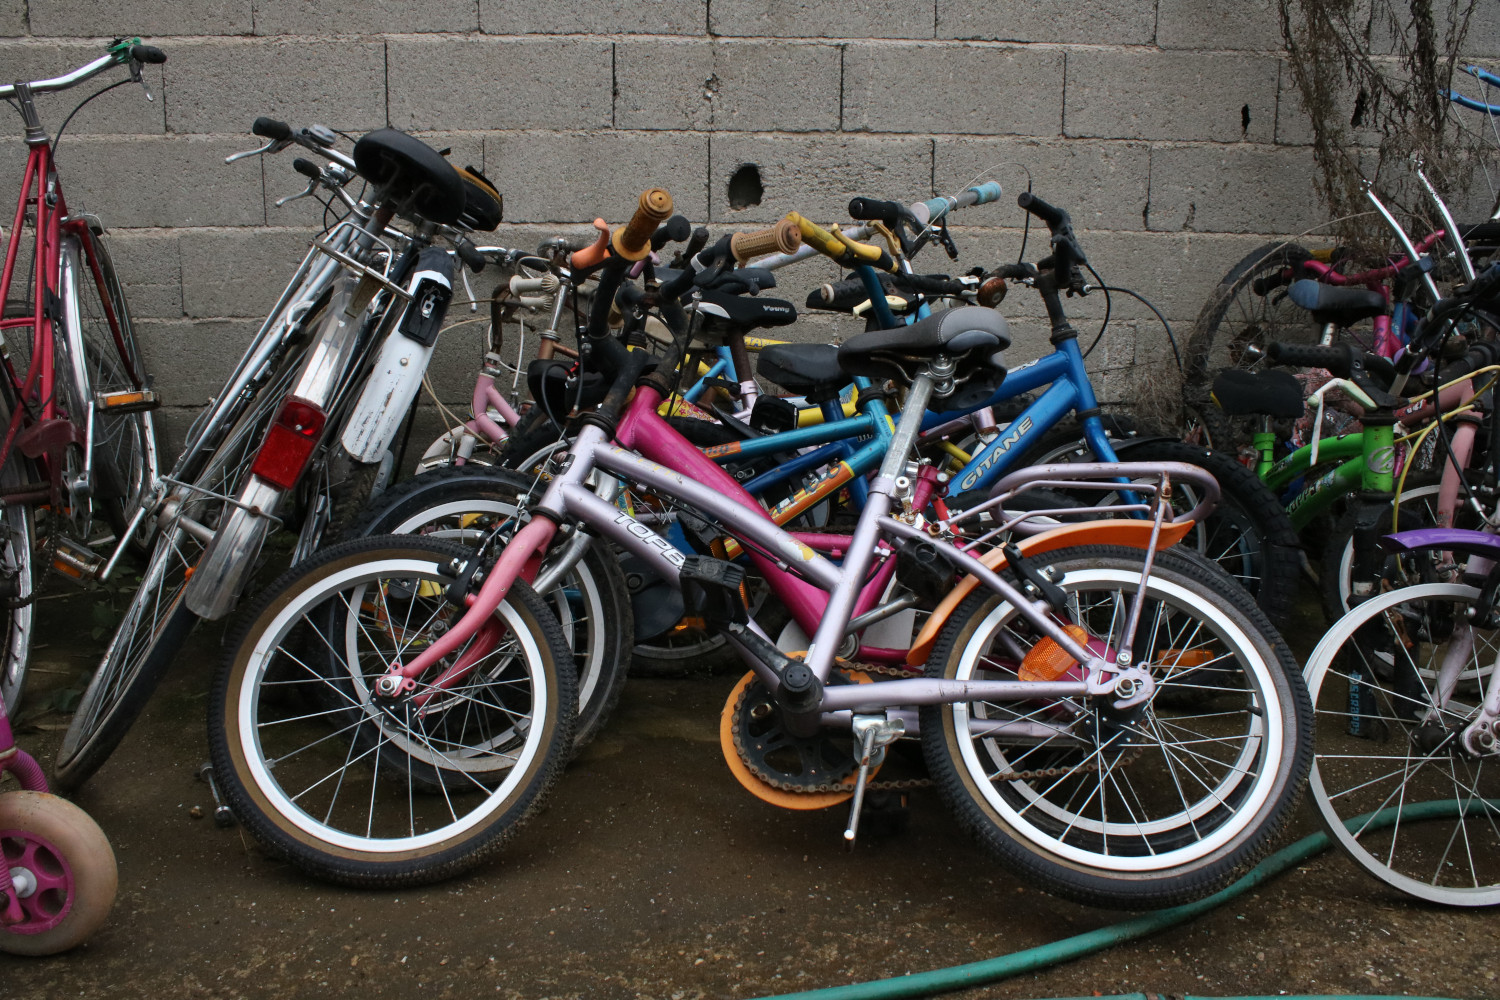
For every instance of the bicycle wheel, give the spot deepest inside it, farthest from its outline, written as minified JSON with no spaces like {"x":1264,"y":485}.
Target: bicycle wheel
{"x":1248,"y":309}
{"x":1391,"y":779}
{"x":60,"y":858}
{"x":375,"y":792}
{"x":157,"y":622}
{"x":16,"y":572}
{"x":97,"y":322}
{"x":591,"y":604}
{"x":1149,"y":807}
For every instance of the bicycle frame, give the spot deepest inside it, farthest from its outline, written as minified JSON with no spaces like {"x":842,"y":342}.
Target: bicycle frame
{"x":823,"y":597}
{"x":34,"y":396}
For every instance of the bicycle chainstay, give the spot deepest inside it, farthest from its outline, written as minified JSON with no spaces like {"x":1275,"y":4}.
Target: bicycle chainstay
{"x":900,"y":785}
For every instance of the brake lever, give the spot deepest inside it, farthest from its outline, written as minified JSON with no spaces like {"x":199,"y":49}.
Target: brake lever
{"x":139,"y":77}
{"x":274,"y":146}
{"x":312,"y":187}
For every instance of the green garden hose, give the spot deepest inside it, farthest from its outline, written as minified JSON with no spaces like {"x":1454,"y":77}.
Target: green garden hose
{"x":991,"y":970}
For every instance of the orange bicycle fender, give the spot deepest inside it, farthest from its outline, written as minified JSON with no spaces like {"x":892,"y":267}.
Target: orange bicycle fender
{"x":1129,"y":533}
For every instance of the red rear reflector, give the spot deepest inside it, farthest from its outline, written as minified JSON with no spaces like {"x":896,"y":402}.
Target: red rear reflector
{"x":289,"y":443}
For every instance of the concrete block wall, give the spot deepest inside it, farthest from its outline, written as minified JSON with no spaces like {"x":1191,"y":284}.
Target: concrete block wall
{"x":1169,"y":128}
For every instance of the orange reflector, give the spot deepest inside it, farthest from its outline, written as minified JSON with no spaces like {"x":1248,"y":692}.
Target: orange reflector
{"x":1048,"y":661}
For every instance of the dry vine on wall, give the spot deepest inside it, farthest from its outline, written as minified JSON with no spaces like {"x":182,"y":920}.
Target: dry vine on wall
{"x":1373,"y":76}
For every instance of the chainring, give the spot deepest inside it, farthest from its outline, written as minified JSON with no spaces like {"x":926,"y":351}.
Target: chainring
{"x":773,"y":765}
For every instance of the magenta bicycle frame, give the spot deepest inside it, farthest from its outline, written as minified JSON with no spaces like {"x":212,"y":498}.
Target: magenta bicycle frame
{"x":1376,"y":280}
{"x":41,"y":191}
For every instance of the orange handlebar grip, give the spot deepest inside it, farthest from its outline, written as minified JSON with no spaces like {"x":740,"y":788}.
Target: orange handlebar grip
{"x":580,"y":260}
{"x":634,"y":241}
{"x":784,"y":237}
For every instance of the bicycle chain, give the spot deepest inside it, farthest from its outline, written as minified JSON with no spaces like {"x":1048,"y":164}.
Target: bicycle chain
{"x":900,"y":785}
{"x":49,"y":561}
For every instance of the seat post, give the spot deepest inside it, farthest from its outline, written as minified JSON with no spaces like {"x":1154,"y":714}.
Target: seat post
{"x":907,"y":429}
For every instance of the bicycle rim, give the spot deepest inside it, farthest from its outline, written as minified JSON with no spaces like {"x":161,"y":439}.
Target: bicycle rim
{"x":376,"y":781}
{"x":1388,"y":744}
{"x":1151,"y":791}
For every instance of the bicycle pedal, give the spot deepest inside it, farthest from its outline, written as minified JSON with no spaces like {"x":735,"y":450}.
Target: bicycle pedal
{"x":713,"y":590}
{"x":127,"y":401}
{"x":77,"y":561}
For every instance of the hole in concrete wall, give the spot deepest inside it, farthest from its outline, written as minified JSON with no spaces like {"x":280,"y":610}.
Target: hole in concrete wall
{"x":1357,"y":120}
{"x":1245,"y":118}
{"x":745,"y":187}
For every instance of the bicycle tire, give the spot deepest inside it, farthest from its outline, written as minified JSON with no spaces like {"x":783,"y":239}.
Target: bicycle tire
{"x":1424,"y":776}
{"x":592,"y":605}
{"x":254,"y":690}
{"x":1418,"y":510}
{"x":1056,"y":830}
{"x":17,"y":552}
{"x":157,"y":622}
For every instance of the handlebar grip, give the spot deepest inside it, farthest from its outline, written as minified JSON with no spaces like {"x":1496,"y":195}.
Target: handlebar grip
{"x":469,"y":254}
{"x":889,"y":212}
{"x":1337,"y":358}
{"x":307,"y":168}
{"x":674,"y":230}
{"x":270,"y":128}
{"x":147,"y":54}
{"x":582,"y":260}
{"x":820,"y":239}
{"x":1055,"y":218}
{"x":784,"y":237}
{"x":983,"y":193}
{"x":633,"y":242}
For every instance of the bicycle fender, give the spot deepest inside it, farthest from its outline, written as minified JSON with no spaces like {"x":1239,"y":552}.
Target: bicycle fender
{"x":1127,"y":533}
{"x":1464,"y":541}
{"x":402,"y":361}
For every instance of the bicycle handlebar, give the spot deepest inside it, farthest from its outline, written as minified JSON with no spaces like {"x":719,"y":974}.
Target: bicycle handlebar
{"x":1067,"y":255}
{"x":121,"y":53}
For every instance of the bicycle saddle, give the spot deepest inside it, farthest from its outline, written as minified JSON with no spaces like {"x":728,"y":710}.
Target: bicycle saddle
{"x":974,"y":335}
{"x":1271,"y":394}
{"x":1332,"y":304}
{"x":483,"y":205}
{"x":810,"y":370}
{"x":412,"y":174}
{"x":743,"y":311}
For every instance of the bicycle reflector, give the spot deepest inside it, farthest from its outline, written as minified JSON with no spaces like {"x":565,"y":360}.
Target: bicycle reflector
{"x":289,"y":443}
{"x":1047,"y":661}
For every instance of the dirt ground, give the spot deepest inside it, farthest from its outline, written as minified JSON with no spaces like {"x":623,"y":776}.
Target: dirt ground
{"x":653,"y":874}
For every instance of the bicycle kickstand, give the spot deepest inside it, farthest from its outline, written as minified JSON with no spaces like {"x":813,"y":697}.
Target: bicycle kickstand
{"x":875,"y":733}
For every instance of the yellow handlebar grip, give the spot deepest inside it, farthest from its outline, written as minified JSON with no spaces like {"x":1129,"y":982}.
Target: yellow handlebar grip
{"x":820,"y":238}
